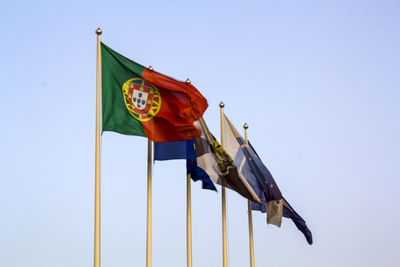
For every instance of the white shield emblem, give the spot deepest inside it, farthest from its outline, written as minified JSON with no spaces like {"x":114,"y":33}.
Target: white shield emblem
{"x":139,"y":99}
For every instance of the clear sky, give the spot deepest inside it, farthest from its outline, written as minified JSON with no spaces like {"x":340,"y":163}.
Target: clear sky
{"x":317,"y":81}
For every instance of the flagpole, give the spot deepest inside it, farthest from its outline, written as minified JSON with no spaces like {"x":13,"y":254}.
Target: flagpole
{"x":189,"y":220}
{"x":97,"y":155}
{"x":251,"y":240}
{"x":188,"y":215}
{"x":149,"y":176}
{"x":223,"y":198}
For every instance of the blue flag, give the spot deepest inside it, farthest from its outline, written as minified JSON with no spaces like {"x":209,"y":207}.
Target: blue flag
{"x":207,"y":161}
{"x":261,"y":180}
{"x":184,"y":150}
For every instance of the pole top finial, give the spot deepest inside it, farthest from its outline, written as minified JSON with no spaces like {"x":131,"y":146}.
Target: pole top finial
{"x":150,"y":67}
{"x":98,"y":31}
{"x":188,"y":81}
{"x":245,"y":126}
{"x":221,"y":105}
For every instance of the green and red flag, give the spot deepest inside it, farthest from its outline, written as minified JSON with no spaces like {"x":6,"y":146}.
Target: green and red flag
{"x":139,"y":101}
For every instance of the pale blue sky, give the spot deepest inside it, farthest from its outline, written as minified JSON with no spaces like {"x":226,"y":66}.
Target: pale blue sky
{"x":317,"y":81}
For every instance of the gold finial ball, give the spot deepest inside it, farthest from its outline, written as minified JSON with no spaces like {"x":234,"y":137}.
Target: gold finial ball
{"x":246,"y":126}
{"x":221,"y":105}
{"x":188,"y":81}
{"x":99,"y":31}
{"x":150,"y":67}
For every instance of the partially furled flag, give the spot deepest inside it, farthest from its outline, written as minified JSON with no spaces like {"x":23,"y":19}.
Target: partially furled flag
{"x":139,"y":101}
{"x":219,"y":166}
{"x":184,"y":150}
{"x":261,"y":180}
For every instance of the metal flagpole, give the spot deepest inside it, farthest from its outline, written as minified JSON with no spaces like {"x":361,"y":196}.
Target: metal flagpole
{"x":223,"y":198}
{"x":189,"y":221}
{"x":97,"y":156}
{"x":251,"y":240}
{"x":188,"y":215}
{"x":149,"y":175}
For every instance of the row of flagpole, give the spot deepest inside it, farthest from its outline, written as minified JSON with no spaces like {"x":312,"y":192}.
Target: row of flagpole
{"x":224,"y":234}
{"x":149,"y":189}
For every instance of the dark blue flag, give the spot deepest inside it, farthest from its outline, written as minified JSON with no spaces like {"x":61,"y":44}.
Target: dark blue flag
{"x":261,"y":180}
{"x":184,"y":150}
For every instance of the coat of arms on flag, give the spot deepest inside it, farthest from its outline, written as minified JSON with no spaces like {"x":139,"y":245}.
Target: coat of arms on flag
{"x":142,"y":98}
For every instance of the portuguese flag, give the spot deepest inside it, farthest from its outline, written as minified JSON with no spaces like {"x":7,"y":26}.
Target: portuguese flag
{"x":139,"y":101}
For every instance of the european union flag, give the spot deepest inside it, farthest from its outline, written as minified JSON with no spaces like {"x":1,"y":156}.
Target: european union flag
{"x":184,"y":150}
